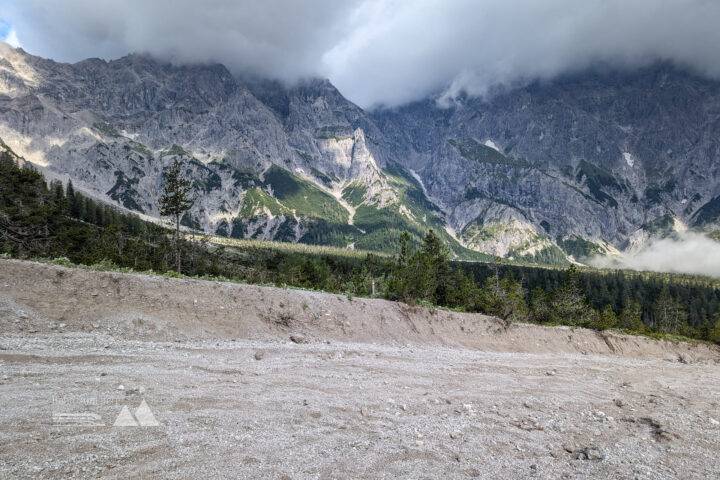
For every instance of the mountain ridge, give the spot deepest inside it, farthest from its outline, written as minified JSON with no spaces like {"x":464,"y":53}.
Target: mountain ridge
{"x":547,"y":172}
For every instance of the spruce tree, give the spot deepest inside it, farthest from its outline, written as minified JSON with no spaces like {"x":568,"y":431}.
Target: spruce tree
{"x":608,"y":319}
{"x":569,"y":303}
{"x":174,"y":201}
{"x":73,"y":209}
{"x":540,"y":307}
{"x":714,"y":334}
{"x":668,"y":312}
{"x":462,"y":293}
{"x":404,"y":256}
{"x":631,"y":316}
{"x":503,"y":298}
{"x":434,"y":259}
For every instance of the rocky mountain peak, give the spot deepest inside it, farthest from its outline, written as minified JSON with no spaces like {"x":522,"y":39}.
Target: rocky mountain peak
{"x":543,"y":172}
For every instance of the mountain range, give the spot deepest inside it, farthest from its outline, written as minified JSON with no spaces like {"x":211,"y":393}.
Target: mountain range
{"x":593,"y":162}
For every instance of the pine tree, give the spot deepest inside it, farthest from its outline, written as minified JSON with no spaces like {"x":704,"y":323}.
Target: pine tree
{"x":714,"y":334}
{"x":398,"y":283}
{"x":174,"y":201}
{"x":503,"y":298}
{"x":668,"y":312}
{"x":569,"y":303}
{"x":705,"y":330}
{"x":463,"y":292}
{"x":404,"y":256}
{"x":540,"y":308}
{"x":434,"y":258}
{"x":73,"y":208}
{"x":631,"y":316}
{"x":607,"y":319}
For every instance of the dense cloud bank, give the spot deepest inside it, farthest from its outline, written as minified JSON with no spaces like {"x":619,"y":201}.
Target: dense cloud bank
{"x":687,"y":252}
{"x":379,"y":51}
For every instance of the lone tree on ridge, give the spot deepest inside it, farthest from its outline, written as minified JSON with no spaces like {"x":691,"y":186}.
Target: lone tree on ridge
{"x":174,"y":201}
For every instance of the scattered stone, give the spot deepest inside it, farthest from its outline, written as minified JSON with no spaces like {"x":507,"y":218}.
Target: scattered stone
{"x":95,"y":325}
{"x":584,"y":453}
{"x":714,"y":422}
{"x":592,"y":453}
{"x":571,"y":448}
{"x":455,"y":435}
{"x":419,"y":443}
{"x":121,"y":387}
{"x":551,"y":373}
{"x":365,"y":412}
{"x":528,"y":425}
{"x":619,"y":403}
{"x":298,"y":338}
{"x":259,"y":355}
{"x":62,"y":325}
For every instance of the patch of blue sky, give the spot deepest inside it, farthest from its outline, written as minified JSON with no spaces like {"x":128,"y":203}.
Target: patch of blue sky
{"x":5,"y":28}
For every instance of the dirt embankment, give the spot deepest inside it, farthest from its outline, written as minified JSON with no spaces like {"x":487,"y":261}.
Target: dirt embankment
{"x":369,"y":389}
{"x":59,"y":299}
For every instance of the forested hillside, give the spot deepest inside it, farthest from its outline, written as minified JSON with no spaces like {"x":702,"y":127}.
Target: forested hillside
{"x":55,"y":222}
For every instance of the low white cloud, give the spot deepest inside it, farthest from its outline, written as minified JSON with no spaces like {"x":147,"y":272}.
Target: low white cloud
{"x":13,"y":39}
{"x":686,"y":252}
{"x":380,"y":51}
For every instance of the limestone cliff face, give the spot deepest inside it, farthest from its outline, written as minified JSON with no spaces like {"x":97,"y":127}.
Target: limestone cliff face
{"x":590,"y":157}
{"x":113,"y":127}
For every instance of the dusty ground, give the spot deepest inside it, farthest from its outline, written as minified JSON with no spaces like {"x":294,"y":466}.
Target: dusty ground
{"x":379,"y":390}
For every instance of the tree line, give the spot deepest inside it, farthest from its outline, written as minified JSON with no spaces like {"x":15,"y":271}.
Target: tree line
{"x":40,"y":220}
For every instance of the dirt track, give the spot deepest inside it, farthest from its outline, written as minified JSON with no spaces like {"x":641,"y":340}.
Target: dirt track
{"x":379,"y":390}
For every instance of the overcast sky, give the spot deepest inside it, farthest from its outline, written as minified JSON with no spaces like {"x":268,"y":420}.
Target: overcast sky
{"x":377,"y":51}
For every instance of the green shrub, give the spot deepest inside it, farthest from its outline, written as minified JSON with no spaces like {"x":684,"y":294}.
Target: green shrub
{"x":104,"y":265}
{"x":64,"y":261}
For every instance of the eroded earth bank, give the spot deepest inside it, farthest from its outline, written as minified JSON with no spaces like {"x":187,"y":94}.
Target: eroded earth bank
{"x":257,"y":382}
